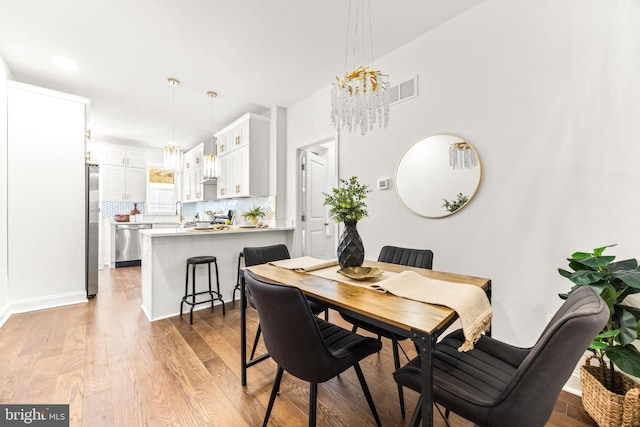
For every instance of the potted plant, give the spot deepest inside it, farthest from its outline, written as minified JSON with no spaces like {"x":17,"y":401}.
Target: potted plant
{"x":608,"y":396}
{"x":254,"y":214}
{"x":347,"y":205}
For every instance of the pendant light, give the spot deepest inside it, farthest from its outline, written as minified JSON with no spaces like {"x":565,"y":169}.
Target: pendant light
{"x":211,"y":160}
{"x":172,"y":152}
{"x":360,"y":98}
{"x":462,"y":156}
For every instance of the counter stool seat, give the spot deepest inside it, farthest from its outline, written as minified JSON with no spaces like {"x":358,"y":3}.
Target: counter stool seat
{"x":215,"y":295}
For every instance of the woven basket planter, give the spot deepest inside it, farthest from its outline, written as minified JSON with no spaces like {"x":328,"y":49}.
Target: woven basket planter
{"x":606,"y":408}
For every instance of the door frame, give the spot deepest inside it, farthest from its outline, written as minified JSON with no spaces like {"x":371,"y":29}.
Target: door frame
{"x":326,"y":142}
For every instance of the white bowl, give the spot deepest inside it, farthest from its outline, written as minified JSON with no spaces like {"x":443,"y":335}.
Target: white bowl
{"x":203,"y":224}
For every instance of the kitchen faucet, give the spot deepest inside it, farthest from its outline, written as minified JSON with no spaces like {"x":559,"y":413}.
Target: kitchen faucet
{"x":179,"y":210}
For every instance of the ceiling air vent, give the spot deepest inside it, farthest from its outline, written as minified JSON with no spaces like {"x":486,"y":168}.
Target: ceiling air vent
{"x":403,"y":91}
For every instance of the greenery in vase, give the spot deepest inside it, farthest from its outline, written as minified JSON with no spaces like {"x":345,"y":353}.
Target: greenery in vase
{"x":454,"y":205}
{"x":347,"y":201}
{"x":254,"y":214}
{"x":615,"y":281}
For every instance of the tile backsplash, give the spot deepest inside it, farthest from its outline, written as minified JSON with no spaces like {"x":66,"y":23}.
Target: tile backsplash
{"x":109,"y":209}
{"x":189,"y":210}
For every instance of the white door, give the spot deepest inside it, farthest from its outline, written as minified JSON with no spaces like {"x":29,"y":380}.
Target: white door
{"x":318,"y":234}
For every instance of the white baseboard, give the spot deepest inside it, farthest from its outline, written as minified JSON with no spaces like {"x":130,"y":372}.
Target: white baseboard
{"x":50,"y":301}
{"x":4,"y":314}
{"x":573,"y":383}
{"x":177,"y":313}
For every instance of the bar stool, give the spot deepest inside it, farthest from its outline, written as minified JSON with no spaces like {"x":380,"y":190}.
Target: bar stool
{"x":193,"y":262}
{"x":239,"y":277}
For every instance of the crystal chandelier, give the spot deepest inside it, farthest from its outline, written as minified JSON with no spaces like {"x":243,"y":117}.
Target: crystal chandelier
{"x":462,"y":156}
{"x":172,"y":152}
{"x":360,"y":99}
{"x":211,"y":160}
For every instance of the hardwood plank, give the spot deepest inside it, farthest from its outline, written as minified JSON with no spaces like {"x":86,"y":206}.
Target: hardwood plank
{"x":115,"y":368}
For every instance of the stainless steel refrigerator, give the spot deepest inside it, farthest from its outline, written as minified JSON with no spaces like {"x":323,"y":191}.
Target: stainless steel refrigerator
{"x":92,"y":229}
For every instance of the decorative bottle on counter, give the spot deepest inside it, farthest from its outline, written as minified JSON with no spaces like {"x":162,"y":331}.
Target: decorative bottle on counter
{"x":135,"y":210}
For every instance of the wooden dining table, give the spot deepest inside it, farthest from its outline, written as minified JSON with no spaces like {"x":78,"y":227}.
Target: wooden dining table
{"x":421,"y":322}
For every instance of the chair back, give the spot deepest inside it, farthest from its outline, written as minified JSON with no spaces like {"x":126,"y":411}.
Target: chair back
{"x":290,"y":331}
{"x":263,"y":254}
{"x":540,"y":377}
{"x":420,"y":258}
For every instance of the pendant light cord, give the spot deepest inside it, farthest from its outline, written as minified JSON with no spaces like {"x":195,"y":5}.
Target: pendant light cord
{"x":173,"y":114}
{"x":346,"y":48}
{"x":359,"y":14}
{"x":211,"y":96}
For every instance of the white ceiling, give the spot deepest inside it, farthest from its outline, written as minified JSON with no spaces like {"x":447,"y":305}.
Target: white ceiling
{"x":254,"y":53}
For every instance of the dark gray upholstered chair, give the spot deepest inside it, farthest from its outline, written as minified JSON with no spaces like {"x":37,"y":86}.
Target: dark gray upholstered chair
{"x":496,"y":384}
{"x":421,"y":258}
{"x":262,"y":255}
{"x":304,"y":345}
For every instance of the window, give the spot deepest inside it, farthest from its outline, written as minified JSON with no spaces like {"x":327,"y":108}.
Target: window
{"x":161,"y":195}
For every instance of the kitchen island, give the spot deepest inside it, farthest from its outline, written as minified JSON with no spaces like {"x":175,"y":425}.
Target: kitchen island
{"x":164,"y":256}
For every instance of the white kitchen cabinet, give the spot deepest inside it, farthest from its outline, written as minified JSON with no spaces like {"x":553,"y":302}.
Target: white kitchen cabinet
{"x":192,"y":168}
{"x":123,"y":156}
{"x":120,"y":183}
{"x":124,"y":173}
{"x":234,"y":136}
{"x":244,"y":162}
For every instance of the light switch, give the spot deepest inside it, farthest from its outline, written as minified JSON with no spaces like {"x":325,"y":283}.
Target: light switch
{"x":384,"y":184}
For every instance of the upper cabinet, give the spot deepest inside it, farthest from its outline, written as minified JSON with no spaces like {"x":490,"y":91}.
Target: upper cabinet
{"x":193,"y":188}
{"x":124,"y":174}
{"x":236,"y":135}
{"x":123,"y":156}
{"x":192,"y":174}
{"x":243,"y":152}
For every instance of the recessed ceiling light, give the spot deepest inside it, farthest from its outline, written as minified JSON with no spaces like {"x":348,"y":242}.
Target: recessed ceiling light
{"x":65,"y":63}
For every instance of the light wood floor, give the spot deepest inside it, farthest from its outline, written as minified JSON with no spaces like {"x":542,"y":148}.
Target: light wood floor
{"x":115,"y":368}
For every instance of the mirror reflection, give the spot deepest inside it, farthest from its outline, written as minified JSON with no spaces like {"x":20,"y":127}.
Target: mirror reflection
{"x":438,"y":175}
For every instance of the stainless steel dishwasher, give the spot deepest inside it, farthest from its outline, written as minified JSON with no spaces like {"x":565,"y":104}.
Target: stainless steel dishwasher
{"x":129,"y":244}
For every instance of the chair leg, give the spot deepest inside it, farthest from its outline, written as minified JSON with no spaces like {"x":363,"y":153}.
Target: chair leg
{"x":417,"y":414}
{"x":193,"y":298}
{"x":367,"y":393}
{"x":255,"y":342}
{"x":186,"y":289}
{"x":396,"y":363}
{"x":274,"y":393}
{"x":313,"y":401}
{"x":224,"y":312}
{"x":238,"y":278}
{"x":210,"y":291}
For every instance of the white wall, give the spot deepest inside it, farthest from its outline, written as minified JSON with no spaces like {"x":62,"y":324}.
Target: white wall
{"x":547,"y":92}
{"x":4,"y":290}
{"x":46,"y":179}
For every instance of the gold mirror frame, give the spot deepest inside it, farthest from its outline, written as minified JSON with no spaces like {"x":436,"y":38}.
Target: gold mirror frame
{"x":435,"y":169}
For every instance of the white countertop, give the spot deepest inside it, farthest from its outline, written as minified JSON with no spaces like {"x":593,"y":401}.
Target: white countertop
{"x":114,"y":222}
{"x":177,"y":232}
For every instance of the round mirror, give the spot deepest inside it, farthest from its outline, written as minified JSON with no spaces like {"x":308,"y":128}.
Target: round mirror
{"x":438,"y":175}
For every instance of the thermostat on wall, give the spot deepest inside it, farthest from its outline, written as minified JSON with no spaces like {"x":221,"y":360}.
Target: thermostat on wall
{"x":383,"y":184}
